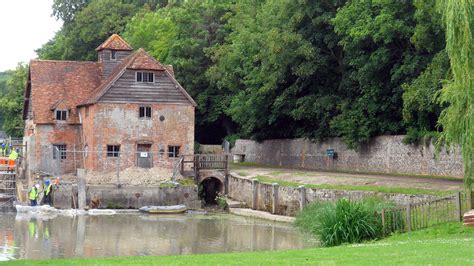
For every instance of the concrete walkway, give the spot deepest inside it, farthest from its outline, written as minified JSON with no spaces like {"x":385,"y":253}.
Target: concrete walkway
{"x":261,"y":215}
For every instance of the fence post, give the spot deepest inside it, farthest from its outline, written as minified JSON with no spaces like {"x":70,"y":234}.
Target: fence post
{"x":408,"y":218}
{"x":275,"y":198}
{"x":458,"y":206}
{"x":302,"y":197}
{"x":254,"y":194}
{"x":383,"y":222}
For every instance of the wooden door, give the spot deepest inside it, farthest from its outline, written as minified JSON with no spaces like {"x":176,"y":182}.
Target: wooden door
{"x":144,"y":158}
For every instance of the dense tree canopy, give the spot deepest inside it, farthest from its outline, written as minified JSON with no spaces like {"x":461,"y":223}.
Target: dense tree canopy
{"x":282,"y":69}
{"x":12,"y":85}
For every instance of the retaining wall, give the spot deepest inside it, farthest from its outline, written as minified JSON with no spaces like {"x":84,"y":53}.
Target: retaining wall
{"x":289,"y":200}
{"x":129,"y":197}
{"x":383,"y":154}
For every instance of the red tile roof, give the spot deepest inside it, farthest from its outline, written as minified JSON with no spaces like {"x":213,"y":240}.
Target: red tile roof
{"x":65,"y":82}
{"x":115,"y":42}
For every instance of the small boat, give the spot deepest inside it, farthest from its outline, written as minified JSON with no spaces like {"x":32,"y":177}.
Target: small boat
{"x":163,"y":209}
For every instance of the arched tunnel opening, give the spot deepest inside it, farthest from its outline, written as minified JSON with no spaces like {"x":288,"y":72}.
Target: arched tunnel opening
{"x":209,"y":188}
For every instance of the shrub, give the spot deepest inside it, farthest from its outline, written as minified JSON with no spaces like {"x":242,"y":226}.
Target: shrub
{"x":344,"y":221}
{"x":221,"y":201}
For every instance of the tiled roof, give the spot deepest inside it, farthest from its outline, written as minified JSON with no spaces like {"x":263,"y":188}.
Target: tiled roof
{"x":115,"y":42}
{"x":68,"y":82}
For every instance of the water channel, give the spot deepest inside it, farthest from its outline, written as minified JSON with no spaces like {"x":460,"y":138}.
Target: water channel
{"x":26,"y":237}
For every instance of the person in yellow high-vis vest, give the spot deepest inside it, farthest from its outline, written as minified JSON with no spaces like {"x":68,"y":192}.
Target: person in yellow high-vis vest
{"x":47,"y":191}
{"x":11,"y":160}
{"x":33,"y":195}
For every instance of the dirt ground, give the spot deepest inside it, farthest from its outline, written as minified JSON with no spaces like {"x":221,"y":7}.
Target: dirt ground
{"x":338,"y":178}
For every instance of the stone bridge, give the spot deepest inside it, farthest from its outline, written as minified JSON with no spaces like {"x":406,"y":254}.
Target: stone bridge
{"x":210,"y":173}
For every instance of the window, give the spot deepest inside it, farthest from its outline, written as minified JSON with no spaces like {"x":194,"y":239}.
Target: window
{"x":59,"y":151}
{"x":112,"y":55}
{"x":113,"y":150}
{"x":173,"y":151}
{"x":61,"y":115}
{"x":144,"y":112}
{"x":145,"y":77}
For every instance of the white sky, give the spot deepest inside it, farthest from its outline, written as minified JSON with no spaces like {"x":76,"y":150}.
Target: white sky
{"x":24,"y":26}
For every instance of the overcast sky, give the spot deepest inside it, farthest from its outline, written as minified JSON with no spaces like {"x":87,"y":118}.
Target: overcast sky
{"x":24,"y":26}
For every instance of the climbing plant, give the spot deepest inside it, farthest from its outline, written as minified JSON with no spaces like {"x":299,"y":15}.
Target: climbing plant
{"x":457,"y":119}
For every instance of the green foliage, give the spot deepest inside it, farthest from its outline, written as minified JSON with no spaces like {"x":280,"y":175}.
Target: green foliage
{"x":221,"y":200}
{"x":90,"y":26}
{"x":457,"y":119}
{"x":342,"y":222}
{"x":421,"y":108}
{"x":11,"y":101}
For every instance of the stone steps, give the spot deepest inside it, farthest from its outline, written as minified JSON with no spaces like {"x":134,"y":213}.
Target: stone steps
{"x":469,"y":218}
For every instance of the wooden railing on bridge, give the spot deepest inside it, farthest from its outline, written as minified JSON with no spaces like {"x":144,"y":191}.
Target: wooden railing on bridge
{"x":205,"y":162}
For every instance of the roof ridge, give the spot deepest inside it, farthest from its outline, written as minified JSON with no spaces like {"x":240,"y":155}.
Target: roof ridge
{"x":64,"y":61}
{"x":114,"y":37}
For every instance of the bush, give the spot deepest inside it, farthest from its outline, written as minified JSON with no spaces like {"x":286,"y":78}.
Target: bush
{"x":344,"y":221}
{"x":221,"y":201}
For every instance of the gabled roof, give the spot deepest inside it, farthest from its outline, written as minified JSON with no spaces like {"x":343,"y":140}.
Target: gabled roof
{"x":115,"y":42}
{"x":139,"y":60}
{"x":52,"y":83}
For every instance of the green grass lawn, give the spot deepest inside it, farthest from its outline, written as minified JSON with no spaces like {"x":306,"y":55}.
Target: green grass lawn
{"x":449,"y":244}
{"x":399,"y":190}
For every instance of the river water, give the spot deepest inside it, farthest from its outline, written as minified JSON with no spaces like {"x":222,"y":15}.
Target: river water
{"x":26,"y":237}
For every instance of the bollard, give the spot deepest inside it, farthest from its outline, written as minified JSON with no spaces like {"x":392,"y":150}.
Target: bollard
{"x":275,"y":198}
{"x":81,"y":188}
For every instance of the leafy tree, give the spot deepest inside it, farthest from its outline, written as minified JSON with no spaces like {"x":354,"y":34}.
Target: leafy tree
{"x":380,"y":57}
{"x":66,"y":9}
{"x":280,"y":65}
{"x":90,"y":26}
{"x":458,"y":118}
{"x":11,"y":103}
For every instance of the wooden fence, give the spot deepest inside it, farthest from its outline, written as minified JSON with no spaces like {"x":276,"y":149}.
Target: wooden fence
{"x":425,"y":214}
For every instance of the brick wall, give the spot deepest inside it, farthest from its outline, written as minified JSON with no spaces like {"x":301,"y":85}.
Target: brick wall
{"x":119,"y":124}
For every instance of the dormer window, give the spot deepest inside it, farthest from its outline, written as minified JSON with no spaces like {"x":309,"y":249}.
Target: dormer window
{"x":61,"y":115}
{"x":113,"y":56}
{"x":145,"y":77}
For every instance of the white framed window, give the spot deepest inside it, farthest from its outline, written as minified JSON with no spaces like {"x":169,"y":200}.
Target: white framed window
{"x":113,"y":150}
{"x":144,"y":112}
{"x":59,"y":151}
{"x":61,"y":115}
{"x":145,"y":77}
{"x":173,"y":151}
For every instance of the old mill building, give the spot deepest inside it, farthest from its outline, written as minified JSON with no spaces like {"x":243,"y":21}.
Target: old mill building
{"x":126,"y":104}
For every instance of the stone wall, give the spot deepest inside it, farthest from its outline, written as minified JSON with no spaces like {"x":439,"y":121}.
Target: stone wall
{"x":384,"y":154}
{"x":289,"y":200}
{"x":129,"y":197}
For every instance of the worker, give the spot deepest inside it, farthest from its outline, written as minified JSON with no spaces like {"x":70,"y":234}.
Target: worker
{"x":47,"y":190}
{"x":33,"y":194}
{"x":2,"y":154}
{"x":11,"y":160}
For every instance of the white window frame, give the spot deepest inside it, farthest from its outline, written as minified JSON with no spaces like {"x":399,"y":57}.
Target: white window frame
{"x":143,"y":74}
{"x":61,"y":111}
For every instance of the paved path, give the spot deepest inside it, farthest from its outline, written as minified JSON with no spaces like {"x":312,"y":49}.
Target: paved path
{"x":338,"y":178}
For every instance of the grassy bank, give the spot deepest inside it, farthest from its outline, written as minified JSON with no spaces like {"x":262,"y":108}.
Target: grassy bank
{"x":398,"y":190}
{"x":449,"y":244}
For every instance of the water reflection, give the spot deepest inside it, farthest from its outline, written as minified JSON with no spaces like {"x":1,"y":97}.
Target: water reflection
{"x":140,"y":235}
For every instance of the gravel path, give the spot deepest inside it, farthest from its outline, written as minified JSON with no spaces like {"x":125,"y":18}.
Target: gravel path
{"x":338,"y":178}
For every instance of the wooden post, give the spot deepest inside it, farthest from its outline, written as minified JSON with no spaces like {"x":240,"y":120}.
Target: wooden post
{"x":275,"y":198}
{"x":302,"y":197}
{"x":254,"y":194}
{"x":408,"y":218}
{"x":383,"y":222}
{"x":74,"y":158}
{"x":458,"y":206}
{"x":182,"y":164}
{"x":118,"y":170}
